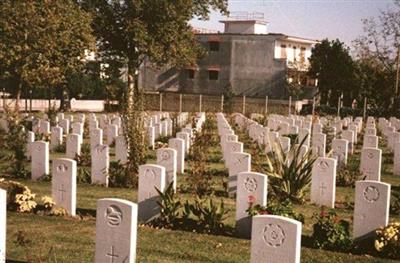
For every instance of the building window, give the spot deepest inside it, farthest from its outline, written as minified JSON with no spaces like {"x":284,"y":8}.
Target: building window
{"x":214,"y":45}
{"x":303,"y":55}
{"x":294,"y":54}
{"x":213,"y":74}
{"x":190,"y":73}
{"x":283,"y":51}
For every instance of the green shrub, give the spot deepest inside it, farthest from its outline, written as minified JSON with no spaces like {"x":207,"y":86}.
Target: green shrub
{"x":85,"y":158}
{"x":330,"y":232}
{"x":83,"y":175}
{"x":395,"y":202}
{"x":347,"y":177}
{"x":387,"y":241}
{"x":284,"y":208}
{"x":60,"y":148}
{"x":121,"y":176}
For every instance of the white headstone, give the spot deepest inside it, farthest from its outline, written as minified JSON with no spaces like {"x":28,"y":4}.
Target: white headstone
{"x":112,"y":133}
{"x":151,"y":137}
{"x":250,"y":187}
{"x":30,"y":138}
{"x":116,"y":231}
{"x":323,"y":183}
{"x":40,"y":159}
{"x":64,"y":123}
{"x":340,"y":151}
{"x":56,"y":137}
{"x":166,"y":157}
{"x":275,"y":239}
{"x":370,"y":165}
{"x":121,"y":150}
{"x":3,"y":220}
{"x":179,"y":145}
{"x":151,"y":176}
{"x":319,"y":144}
{"x":370,"y":141}
{"x":100,"y":165}
{"x":396,"y":160}
{"x":349,"y":136}
{"x":186,"y":137}
{"x":73,"y":145}
{"x":371,"y":207}
{"x":64,"y":184}
{"x":96,"y":138}
{"x":238,"y":162}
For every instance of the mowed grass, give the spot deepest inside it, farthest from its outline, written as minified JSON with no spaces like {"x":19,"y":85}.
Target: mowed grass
{"x":64,"y":239}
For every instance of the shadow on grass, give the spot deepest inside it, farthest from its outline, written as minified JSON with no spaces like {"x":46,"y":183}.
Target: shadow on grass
{"x":86,"y":212}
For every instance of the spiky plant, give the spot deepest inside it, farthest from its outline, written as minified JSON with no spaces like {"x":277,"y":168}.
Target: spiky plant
{"x":290,"y":172}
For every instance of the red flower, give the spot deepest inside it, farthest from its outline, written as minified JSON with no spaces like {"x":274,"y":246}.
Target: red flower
{"x":251,"y":199}
{"x":323,"y":213}
{"x":263,"y":212}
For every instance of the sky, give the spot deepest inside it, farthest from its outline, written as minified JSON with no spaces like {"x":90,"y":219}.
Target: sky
{"x":315,"y":19}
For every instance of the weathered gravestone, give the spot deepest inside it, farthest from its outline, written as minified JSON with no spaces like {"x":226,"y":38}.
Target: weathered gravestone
{"x":275,"y":239}
{"x":100,"y":165}
{"x":238,"y":162}
{"x":178,"y":145}
{"x":3,"y":220}
{"x":73,"y":145}
{"x":151,"y":176}
{"x":251,"y":188}
{"x":116,"y":231}
{"x":231,"y":147}
{"x":323,"y":183}
{"x":166,"y":157}
{"x":370,"y":165}
{"x":64,"y":184}
{"x":40,"y":159}
{"x":371,"y":207}
{"x":121,"y":150}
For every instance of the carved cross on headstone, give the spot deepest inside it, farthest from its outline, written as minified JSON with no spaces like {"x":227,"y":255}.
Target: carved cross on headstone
{"x":112,"y":255}
{"x":62,"y":190}
{"x":322,"y":187}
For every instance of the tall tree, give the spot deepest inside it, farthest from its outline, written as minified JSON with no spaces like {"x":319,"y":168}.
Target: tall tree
{"x":40,"y":41}
{"x":134,"y":30}
{"x":377,"y":54}
{"x":332,"y":65}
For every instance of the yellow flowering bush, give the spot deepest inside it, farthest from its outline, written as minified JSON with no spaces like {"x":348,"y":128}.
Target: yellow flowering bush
{"x":48,"y":202}
{"x":387,"y":240}
{"x":19,"y":197}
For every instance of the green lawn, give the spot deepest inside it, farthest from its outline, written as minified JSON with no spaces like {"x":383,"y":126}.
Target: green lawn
{"x":63,"y":239}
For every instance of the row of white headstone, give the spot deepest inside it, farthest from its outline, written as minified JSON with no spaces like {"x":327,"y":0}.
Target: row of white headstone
{"x":370,"y":194}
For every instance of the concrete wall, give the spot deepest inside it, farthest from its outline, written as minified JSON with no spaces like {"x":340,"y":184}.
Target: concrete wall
{"x":246,"y":61}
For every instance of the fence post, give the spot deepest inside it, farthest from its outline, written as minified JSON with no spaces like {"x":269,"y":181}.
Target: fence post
{"x":244,"y":105}
{"x":365,"y":108}
{"x":222,"y":103}
{"x":290,"y":104}
{"x":30,"y":100}
{"x":180,"y":103}
{"x":313,"y":107}
{"x":338,"y":107}
{"x":266,"y":105}
{"x":160,"y":101}
{"x":200,"y":102}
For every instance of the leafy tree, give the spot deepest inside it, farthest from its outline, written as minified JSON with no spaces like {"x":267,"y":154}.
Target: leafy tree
{"x":376,"y":53}
{"x":157,"y":30}
{"x":334,"y":68}
{"x":40,"y":41}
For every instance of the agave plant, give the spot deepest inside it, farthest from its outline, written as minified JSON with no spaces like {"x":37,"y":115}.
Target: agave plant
{"x":170,"y":207}
{"x":290,"y":172}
